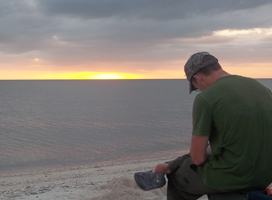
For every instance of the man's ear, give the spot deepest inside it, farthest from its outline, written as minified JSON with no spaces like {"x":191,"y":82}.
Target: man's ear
{"x":198,"y":77}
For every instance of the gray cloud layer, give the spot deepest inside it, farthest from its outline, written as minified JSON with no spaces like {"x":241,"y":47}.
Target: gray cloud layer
{"x":67,"y":32}
{"x":151,"y":9}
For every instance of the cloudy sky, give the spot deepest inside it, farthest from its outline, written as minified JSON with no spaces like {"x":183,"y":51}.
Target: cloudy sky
{"x":75,"y":39}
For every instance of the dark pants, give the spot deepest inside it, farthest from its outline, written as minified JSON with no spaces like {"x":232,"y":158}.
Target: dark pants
{"x":184,"y":183}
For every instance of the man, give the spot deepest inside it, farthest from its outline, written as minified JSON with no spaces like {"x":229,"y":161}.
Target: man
{"x":234,"y":115}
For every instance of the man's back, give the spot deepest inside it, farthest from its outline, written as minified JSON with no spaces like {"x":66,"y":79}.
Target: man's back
{"x":236,"y":113}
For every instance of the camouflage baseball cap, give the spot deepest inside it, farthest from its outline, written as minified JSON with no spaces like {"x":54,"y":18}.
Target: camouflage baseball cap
{"x":194,"y":64}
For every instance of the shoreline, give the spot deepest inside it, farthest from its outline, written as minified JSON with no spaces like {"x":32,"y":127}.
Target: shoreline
{"x":76,"y":182}
{"x":100,"y":181}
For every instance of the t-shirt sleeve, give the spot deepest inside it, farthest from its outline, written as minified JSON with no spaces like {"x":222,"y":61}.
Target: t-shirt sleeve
{"x":202,"y":117}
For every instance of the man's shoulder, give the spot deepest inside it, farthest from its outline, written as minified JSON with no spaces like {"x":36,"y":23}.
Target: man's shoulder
{"x":229,"y":83}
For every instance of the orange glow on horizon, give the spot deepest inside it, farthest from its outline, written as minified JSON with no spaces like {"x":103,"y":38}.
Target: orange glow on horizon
{"x":106,"y":75}
{"x":254,"y":70}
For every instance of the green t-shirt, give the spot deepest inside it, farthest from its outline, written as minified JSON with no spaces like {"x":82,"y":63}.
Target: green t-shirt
{"x":236,"y":114}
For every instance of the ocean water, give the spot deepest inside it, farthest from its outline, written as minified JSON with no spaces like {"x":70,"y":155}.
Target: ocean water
{"x":70,"y":122}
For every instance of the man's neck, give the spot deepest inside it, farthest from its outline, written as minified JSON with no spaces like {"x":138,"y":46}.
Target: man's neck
{"x":216,"y":75}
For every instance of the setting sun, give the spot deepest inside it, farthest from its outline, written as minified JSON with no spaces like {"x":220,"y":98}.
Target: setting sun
{"x":107,"y":76}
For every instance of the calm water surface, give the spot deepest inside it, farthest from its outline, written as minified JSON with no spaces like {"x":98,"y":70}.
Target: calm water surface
{"x":50,"y":123}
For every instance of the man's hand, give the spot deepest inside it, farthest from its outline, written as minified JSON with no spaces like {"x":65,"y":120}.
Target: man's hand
{"x":162,"y":168}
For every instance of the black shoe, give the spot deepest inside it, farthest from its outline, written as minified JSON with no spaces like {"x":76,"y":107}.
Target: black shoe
{"x":149,"y":180}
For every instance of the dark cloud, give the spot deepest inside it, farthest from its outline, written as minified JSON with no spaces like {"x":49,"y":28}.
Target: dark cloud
{"x":151,"y":9}
{"x":8,"y":8}
{"x":66,"y":32}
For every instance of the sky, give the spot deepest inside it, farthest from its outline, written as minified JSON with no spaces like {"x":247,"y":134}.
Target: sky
{"x":132,"y":39}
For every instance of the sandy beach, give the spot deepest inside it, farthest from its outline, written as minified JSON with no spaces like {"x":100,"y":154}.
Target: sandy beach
{"x":112,"y":180}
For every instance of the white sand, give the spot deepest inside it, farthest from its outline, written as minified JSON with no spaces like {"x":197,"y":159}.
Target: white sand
{"x":90,"y":182}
